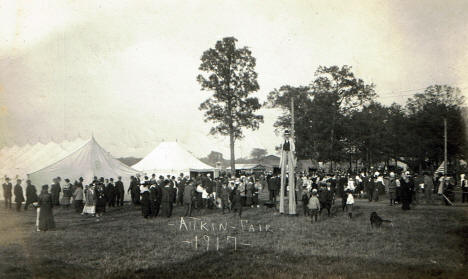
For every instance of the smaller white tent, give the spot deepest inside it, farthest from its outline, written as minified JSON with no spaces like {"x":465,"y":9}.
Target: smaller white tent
{"x":28,"y":159}
{"x":88,"y":161}
{"x":171,"y":158}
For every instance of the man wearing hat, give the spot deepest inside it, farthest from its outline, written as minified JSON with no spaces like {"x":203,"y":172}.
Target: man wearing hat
{"x":119,"y":191}
{"x":134,"y":190}
{"x":324,"y":196}
{"x":188,"y":195}
{"x":19,"y":198}
{"x":111,"y":193}
{"x":157,"y":195}
{"x":181,"y":184}
{"x":75,"y":185}
{"x":31,"y":194}
{"x":80,"y":181}
{"x":7,"y":187}
{"x":167,"y":198}
{"x":55,"y":190}
{"x":274,"y":186}
{"x":288,"y":164}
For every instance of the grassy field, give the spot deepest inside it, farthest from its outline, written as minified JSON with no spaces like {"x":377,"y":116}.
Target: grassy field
{"x":427,"y":242}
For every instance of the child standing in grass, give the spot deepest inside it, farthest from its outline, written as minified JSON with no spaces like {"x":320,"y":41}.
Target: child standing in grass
{"x":314,"y":206}
{"x":349,"y":203}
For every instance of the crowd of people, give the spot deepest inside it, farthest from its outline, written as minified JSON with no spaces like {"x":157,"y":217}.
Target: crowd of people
{"x":156,"y":196}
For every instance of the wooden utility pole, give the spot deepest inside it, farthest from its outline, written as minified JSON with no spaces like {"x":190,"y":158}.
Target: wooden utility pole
{"x":292,"y":118}
{"x":445,"y":146}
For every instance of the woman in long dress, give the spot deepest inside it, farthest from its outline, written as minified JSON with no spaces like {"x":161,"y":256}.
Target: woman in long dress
{"x":263,"y":193}
{"x":67,"y":194}
{"x":46,"y":218}
{"x":90,"y":205}
{"x":100,"y":192}
{"x":145,"y":202}
{"x":78,"y":198}
{"x":249,"y":192}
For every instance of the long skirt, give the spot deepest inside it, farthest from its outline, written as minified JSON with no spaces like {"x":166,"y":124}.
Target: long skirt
{"x":65,"y":201}
{"x":89,"y":209}
{"x":145,"y":208}
{"x":78,"y":204}
{"x":264,"y":195}
{"x":46,"y":219}
{"x":100,"y":206}
{"x":38,"y":211}
{"x":248,"y":201}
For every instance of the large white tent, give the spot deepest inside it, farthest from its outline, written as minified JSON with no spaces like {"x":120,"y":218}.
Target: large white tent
{"x":171,"y":158}
{"x":88,"y":161}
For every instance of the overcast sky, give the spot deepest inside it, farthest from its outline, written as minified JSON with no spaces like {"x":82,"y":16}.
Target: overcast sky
{"x":126,"y":70}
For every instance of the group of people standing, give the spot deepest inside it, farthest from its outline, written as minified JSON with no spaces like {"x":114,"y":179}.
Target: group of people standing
{"x":158,"y":196}
{"x":17,"y":190}
{"x":99,"y":194}
{"x":92,"y":200}
{"x":201,"y":192}
{"x":43,"y":202}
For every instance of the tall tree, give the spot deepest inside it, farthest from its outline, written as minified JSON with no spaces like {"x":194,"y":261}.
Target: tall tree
{"x":215,"y":157}
{"x":426,"y":112}
{"x":366,"y":134}
{"x":345,"y":93}
{"x":230,"y":75}
{"x":258,"y":153}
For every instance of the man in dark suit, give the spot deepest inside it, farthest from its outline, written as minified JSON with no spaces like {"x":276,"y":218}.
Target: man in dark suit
{"x":7,"y":187}
{"x":119,"y":191}
{"x":154,"y":204}
{"x":182,"y":182}
{"x":158,"y":196}
{"x":275,"y":184}
{"x":167,"y":198}
{"x":134,"y":190}
{"x":19,"y":198}
{"x":31,"y":194}
{"x":324,"y":199}
{"x":111,"y":193}
{"x":55,"y":192}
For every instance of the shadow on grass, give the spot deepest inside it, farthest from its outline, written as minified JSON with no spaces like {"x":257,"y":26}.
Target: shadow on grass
{"x":45,"y":268}
{"x":250,"y":263}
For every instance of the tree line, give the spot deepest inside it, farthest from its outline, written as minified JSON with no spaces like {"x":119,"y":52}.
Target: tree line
{"x":337,"y":115}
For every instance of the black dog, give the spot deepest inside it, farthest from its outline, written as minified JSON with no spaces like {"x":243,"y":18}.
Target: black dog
{"x":376,"y":220}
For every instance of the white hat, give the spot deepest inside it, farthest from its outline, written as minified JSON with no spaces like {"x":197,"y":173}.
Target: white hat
{"x":314,"y":190}
{"x":392,"y":174}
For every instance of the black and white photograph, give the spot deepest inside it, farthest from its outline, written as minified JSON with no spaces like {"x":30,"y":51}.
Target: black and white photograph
{"x":234,"y":139}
